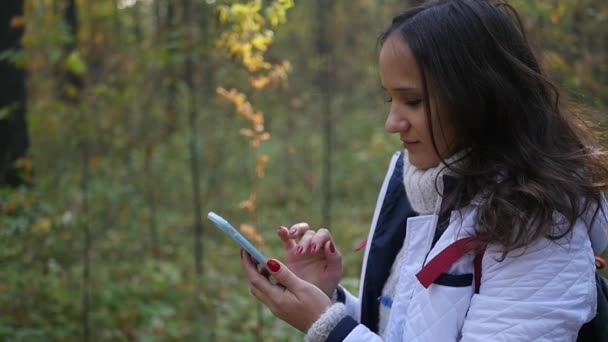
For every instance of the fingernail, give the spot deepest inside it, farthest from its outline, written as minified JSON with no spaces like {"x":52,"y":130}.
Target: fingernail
{"x":292,"y":231}
{"x":299,"y":250}
{"x":312,"y":248}
{"x":332,"y":248}
{"x":273,"y":265}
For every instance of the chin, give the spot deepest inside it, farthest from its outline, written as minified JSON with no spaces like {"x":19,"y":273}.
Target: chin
{"x":421,"y":163}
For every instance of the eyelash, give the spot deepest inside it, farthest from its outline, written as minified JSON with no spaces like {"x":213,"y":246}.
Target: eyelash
{"x":414,"y":103}
{"x":411,"y":103}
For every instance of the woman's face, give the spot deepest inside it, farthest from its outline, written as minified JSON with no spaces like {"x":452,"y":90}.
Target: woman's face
{"x":402,"y":80}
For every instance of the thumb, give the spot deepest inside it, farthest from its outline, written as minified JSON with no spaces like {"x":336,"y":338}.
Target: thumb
{"x":334,"y":258}
{"x":282,"y":274}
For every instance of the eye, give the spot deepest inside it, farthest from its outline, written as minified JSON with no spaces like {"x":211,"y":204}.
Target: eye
{"x":413,"y":103}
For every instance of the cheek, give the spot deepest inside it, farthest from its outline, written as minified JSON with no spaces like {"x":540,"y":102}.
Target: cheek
{"x":444,"y":135}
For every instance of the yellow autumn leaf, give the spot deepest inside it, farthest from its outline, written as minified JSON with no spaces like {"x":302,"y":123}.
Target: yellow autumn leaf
{"x":260,"y":82}
{"x":24,"y":164}
{"x":41,"y":226}
{"x":260,"y":166}
{"x":264,"y":136}
{"x":554,"y":61}
{"x":251,"y":233}
{"x":18,"y":22}
{"x":261,"y":41}
{"x":246,"y":132}
{"x":557,"y":14}
{"x":258,"y":121}
{"x":249,"y":204}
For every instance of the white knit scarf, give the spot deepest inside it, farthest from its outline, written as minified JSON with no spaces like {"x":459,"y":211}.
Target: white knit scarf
{"x":422,"y":187}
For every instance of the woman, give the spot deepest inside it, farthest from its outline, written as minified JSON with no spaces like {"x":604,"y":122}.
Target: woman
{"x":489,"y":153}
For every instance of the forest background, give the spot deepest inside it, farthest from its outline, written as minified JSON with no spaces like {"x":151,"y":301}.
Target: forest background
{"x":123,"y":122}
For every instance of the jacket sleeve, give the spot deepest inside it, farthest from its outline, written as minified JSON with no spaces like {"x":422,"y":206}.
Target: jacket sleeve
{"x":351,"y":302}
{"x":543,"y":293}
{"x":348,"y":330}
{"x":338,"y":323}
{"x":335,"y":325}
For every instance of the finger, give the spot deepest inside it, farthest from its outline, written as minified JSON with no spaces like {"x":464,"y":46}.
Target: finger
{"x":318,"y":241}
{"x":248,"y":264}
{"x":252,"y":266}
{"x":288,"y":242}
{"x":298,"y":230}
{"x":304,"y":245}
{"x":261,"y":296}
{"x":258,"y":283}
{"x":264,"y":272}
{"x":334,"y":258}
{"x":283,"y":275}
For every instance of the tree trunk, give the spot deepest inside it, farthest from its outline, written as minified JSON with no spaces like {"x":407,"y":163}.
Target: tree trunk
{"x":151,"y":198}
{"x":14,"y":140}
{"x":76,"y":83}
{"x":214,"y":122}
{"x":168,"y":38}
{"x":324,"y":8}
{"x":71,"y":20}
{"x":193,"y":139}
{"x":86,"y":248}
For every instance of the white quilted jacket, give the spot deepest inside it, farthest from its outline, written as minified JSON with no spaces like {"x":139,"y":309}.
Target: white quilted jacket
{"x":543,"y":293}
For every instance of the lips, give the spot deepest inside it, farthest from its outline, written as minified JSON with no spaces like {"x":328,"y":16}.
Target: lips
{"x":409,"y":144}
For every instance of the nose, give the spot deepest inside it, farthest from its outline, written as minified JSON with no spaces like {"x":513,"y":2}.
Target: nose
{"x":394,"y":123}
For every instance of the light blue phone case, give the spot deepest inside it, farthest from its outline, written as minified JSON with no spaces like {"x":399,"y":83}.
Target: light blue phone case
{"x":221,"y":223}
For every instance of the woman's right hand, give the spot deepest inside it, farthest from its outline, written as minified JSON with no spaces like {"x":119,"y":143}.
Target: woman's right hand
{"x":312,"y":256}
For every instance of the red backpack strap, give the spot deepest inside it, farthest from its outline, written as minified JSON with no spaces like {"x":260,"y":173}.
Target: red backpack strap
{"x":600,"y":263}
{"x":442,"y":261}
{"x":477,"y":268}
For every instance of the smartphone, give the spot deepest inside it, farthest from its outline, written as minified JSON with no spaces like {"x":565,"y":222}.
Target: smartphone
{"x":222,"y":224}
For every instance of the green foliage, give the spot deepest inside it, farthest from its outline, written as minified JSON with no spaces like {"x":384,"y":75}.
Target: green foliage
{"x":75,"y":64}
{"x":13,"y":56}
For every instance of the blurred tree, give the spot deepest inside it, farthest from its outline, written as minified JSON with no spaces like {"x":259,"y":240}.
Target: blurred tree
{"x":14,"y":141}
{"x":193,"y":138}
{"x":324,"y":14}
{"x":71,"y":93}
{"x":169,"y":38}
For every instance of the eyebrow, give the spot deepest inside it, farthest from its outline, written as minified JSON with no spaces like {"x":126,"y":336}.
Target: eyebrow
{"x":401,"y":89}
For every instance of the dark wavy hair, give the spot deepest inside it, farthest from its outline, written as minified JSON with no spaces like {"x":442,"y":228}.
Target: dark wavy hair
{"x":528,"y":155}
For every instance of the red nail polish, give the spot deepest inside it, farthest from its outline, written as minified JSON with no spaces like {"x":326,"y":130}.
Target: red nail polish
{"x":299,"y":250}
{"x":312,"y":248}
{"x":273,"y":265}
{"x":332,"y":248}
{"x":292,"y":231}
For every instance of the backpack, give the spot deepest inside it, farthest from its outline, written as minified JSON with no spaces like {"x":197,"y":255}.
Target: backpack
{"x":595,"y":330}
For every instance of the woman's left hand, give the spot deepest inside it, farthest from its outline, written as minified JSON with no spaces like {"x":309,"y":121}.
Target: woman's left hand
{"x":292,"y":299}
